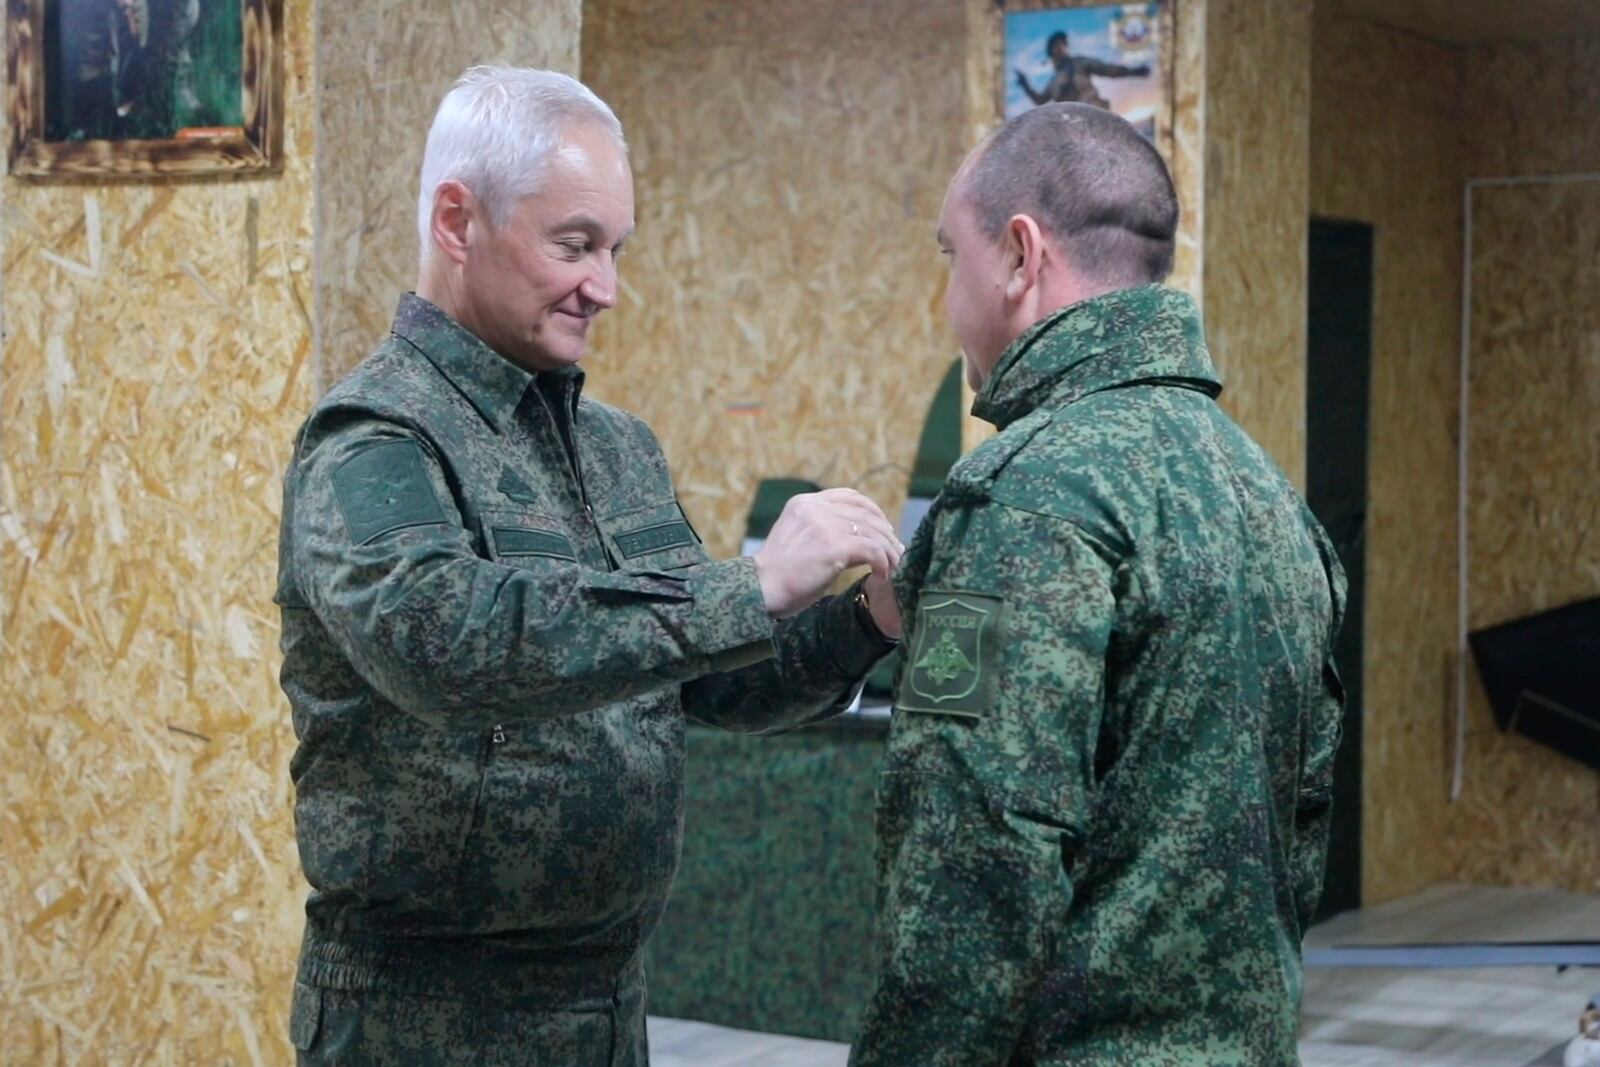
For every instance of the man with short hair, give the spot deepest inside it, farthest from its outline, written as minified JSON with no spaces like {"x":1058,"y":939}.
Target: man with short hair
{"x":1103,"y":812}
{"x":496,"y":617}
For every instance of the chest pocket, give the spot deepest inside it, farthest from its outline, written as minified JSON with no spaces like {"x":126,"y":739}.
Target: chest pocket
{"x":656,"y":537}
{"x":521,"y":538}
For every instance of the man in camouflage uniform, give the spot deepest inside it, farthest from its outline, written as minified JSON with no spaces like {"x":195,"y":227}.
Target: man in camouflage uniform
{"x":1073,"y":81}
{"x":496,"y":617}
{"x":1104,"y":808}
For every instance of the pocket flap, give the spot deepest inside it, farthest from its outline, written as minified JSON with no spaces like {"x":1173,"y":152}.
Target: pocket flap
{"x":657,"y":537}
{"x":515,"y":535}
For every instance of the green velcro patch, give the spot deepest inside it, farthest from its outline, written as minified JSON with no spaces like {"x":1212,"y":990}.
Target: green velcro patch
{"x":951,"y":667}
{"x":385,"y":488}
{"x":521,"y":541}
{"x":655,"y":538}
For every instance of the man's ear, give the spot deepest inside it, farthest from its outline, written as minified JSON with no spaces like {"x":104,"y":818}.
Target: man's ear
{"x":1024,"y":252}
{"x":454,"y":216}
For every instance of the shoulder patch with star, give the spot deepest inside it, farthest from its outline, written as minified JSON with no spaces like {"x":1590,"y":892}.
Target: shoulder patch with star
{"x":385,"y":488}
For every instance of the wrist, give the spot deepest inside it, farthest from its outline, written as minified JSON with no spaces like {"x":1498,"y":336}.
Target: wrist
{"x":871,"y":621}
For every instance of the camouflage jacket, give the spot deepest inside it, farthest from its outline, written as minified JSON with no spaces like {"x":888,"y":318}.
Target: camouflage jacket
{"x":495,"y":618}
{"x":1103,"y":814}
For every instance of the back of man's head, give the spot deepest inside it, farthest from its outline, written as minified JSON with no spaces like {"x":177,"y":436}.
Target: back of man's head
{"x":496,"y":131}
{"x":1090,"y":181}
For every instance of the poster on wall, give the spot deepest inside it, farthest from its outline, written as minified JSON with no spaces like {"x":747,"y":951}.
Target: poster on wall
{"x":144,"y":86}
{"x":1107,"y":55}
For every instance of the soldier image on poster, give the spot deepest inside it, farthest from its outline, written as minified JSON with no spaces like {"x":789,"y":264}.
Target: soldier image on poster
{"x":1108,"y":56}
{"x":142,"y":69}
{"x":1074,"y":78}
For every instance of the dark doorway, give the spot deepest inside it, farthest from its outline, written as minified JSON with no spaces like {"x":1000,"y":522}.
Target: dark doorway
{"x":1338,"y":378}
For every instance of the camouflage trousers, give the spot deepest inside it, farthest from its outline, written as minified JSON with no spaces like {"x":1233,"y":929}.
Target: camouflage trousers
{"x":370,"y":1028}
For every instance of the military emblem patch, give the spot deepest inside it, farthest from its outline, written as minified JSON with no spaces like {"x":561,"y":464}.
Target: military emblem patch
{"x":952,"y":662}
{"x":385,"y":488}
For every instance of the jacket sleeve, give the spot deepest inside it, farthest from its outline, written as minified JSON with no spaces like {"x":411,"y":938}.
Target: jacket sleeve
{"x":381,"y":555}
{"x":1313,"y":815}
{"x":823,"y":655}
{"x":981,"y":808}
{"x":1320,"y":731}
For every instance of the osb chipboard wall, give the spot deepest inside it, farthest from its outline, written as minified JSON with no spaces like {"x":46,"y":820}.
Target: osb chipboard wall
{"x":1527,"y":815}
{"x":1384,"y":148}
{"x":156,"y":362}
{"x":782,"y":299}
{"x":1533,"y":108}
{"x":1256,"y":101}
{"x":383,"y":67}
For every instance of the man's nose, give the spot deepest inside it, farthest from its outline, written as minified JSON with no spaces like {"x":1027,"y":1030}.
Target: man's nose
{"x":600,"y":287}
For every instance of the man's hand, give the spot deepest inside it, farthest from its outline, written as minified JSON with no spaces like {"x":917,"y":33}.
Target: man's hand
{"x":883,"y":606}
{"x":817,"y":538}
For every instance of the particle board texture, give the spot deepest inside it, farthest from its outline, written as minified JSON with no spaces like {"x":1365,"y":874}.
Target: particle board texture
{"x":781,"y":311}
{"x":1385,"y":150}
{"x":1529,"y":816}
{"x":156,"y":361}
{"x":1256,"y":98}
{"x":1532,"y":107}
{"x":383,"y":67}
{"x":1465,"y":22}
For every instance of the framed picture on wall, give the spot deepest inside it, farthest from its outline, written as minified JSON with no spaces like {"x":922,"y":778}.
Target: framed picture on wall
{"x":129,"y":88}
{"x":1109,"y":55}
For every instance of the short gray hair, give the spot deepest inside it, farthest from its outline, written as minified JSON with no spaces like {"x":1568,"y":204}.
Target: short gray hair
{"x":496,"y":132}
{"x":1087,"y":177}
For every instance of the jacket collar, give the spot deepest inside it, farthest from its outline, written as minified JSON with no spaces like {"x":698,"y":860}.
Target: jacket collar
{"x":491,"y":383}
{"x":1147,"y":334}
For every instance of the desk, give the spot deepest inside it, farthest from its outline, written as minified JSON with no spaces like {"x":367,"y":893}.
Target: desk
{"x":770,"y":925}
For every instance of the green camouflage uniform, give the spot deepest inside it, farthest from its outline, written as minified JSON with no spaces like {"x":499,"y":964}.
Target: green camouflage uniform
{"x":495,"y":619}
{"x":1104,"y":810}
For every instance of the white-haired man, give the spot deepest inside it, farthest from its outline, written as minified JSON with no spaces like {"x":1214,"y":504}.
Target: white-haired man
{"x":496,"y":617}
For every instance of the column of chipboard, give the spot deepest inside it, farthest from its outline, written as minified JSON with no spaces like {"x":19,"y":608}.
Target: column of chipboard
{"x":157,"y":359}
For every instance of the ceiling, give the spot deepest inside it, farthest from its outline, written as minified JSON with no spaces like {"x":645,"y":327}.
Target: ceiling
{"x":1479,"y":21}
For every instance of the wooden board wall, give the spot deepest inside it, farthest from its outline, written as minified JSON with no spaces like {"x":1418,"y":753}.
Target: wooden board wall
{"x":1256,"y":99}
{"x":1385,"y":150}
{"x":156,"y":362}
{"x":1529,"y":816}
{"x":782,"y":299}
{"x":383,"y":67}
